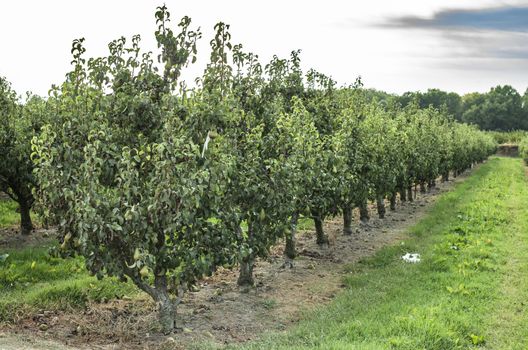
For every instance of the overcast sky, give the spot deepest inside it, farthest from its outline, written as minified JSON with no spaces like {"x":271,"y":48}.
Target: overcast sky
{"x":396,"y":46}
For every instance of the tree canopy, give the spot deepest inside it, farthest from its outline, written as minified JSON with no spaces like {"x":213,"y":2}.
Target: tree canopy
{"x":501,"y":109}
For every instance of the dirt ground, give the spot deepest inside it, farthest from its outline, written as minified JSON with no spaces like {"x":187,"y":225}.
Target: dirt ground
{"x":218,"y":311}
{"x":11,"y":237}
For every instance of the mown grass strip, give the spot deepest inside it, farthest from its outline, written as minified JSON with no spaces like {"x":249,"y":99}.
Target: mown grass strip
{"x":456,"y":298}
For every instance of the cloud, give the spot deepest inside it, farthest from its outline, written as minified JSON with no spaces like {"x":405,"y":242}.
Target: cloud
{"x":483,"y":66}
{"x":485,"y":33}
{"x":508,"y":19}
{"x":487,"y":44}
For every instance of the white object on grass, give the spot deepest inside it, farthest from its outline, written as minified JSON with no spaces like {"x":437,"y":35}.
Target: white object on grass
{"x":411,"y":258}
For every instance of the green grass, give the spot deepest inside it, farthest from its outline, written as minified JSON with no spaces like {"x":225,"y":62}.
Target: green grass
{"x":469,"y":291}
{"x":305,"y":224}
{"x":30,"y":279}
{"x":8,"y":215}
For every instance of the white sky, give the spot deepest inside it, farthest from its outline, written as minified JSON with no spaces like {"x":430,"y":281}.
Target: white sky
{"x":343,"y":39}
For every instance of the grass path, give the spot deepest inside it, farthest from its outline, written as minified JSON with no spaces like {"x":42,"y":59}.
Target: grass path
{"x":508,"y":329}
{"x":469,"y":291}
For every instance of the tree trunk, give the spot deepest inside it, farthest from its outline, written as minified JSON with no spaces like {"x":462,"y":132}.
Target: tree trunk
{"x":289,"y":249}
{"x":245,"y":277}
{"x":347,"y":220}
{"x":167,"y":312}
{"x":321,"y":237}
{"x":410,"y":194}
{"x":380,"y":202}
{"x":393,"y":201}
{"x":403,"y":195}
{"x":166,"y":306}
{"x":431,"y":185}
{"x":26,"y":225}
{"x":363,"y":211}
{"x":159,"y":293}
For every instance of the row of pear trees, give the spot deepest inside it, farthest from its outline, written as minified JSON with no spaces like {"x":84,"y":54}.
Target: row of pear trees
{"x":159,"y":184}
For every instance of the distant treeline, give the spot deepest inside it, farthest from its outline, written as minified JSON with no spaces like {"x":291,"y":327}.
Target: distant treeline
{"x":502,"y":108}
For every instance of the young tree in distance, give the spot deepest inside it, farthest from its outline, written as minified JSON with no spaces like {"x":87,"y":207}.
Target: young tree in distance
{"x":18,"y":124}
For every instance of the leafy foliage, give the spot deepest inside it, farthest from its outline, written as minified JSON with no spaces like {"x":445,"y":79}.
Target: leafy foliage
{"x":500,"y":109}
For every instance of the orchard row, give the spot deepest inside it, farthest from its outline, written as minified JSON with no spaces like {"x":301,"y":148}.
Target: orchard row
{"x":160,"y":182}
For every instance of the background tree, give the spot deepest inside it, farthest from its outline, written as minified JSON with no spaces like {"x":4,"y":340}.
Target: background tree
{"x":499,"y":109}
{"x":19,"y":123}
{"x":436,"y":98}
{"x":300,"y":154}
{"x":525,"y":102}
